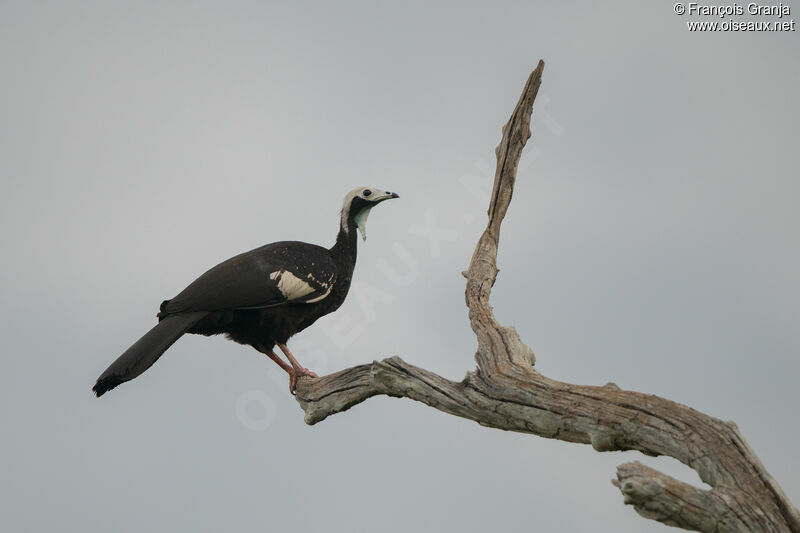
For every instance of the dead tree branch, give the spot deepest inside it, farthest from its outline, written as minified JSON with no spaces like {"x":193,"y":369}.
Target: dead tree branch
{"x":506,"y":392}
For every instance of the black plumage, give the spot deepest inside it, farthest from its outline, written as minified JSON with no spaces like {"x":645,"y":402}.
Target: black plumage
{"x":260,"y":298}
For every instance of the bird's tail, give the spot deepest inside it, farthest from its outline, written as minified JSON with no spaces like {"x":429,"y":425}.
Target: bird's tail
{"x":145,"y":351}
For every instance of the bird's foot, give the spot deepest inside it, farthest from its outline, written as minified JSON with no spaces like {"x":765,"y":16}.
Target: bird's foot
{"x":299,"y":372}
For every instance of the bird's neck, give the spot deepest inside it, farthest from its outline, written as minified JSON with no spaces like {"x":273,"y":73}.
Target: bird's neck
{"x":345,"y":249}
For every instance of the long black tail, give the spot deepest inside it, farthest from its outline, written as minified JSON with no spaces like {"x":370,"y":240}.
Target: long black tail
{"x":145,"y":351}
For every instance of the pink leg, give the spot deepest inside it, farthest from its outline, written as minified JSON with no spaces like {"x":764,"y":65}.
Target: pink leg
{"x":297,"y":369}
{"x":281,"y":363}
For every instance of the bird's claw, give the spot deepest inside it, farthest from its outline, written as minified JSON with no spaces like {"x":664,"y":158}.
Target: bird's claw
{"x":298,"y":373}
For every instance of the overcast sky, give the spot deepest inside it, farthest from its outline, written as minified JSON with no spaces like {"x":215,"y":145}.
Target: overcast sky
{"x":652,"y":241}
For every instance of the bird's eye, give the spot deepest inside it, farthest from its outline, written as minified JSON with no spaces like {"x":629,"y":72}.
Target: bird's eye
{"x":367,"y":192}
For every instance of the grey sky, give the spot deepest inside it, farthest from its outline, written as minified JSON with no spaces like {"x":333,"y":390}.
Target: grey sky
{"x":652,"y":241}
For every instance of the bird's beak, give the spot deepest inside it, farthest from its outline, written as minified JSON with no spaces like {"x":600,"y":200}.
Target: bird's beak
{"x":386,"y":195}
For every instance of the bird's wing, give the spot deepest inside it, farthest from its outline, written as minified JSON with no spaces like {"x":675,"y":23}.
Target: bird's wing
{"x":273,"y":275}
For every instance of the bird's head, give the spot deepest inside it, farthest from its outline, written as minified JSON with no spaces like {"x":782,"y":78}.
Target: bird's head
{"x":357,"y":205}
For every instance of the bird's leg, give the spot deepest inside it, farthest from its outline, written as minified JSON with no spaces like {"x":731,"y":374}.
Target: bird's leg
{"x":297,"y":369}
{"x":272,"y":355}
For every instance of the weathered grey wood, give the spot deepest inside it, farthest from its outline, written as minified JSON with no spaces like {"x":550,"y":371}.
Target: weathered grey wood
{"x":506,"y":392}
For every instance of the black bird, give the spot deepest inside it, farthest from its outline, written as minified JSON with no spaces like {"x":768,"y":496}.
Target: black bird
{"x":260,"y":298}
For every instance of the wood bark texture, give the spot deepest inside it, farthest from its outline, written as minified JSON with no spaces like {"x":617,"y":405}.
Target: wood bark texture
{"x":506,"y":392}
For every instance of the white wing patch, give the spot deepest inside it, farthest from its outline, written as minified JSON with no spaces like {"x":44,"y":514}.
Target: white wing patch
{"x":290,"y":285}
{"x":321,"y":296}
{"x":294,"y":288}
{"x":328,"y":284}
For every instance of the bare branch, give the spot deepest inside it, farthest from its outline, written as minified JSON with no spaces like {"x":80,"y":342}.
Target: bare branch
{"x":506,"y":392}
{"x":657,"y":496}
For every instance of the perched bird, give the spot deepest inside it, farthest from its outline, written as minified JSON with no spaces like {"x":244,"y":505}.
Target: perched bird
{"x":260,"y":298}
